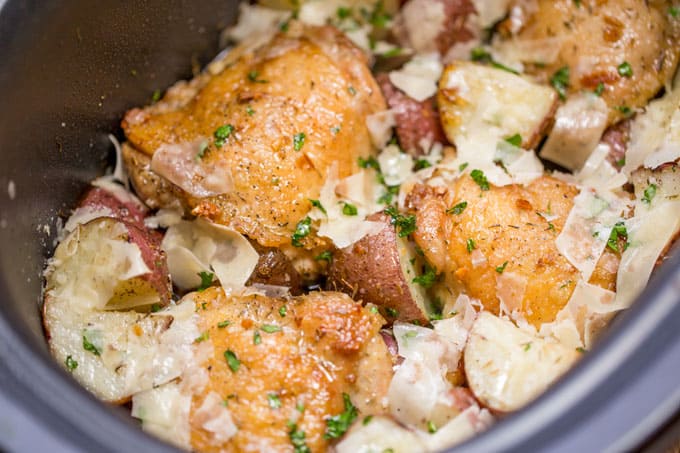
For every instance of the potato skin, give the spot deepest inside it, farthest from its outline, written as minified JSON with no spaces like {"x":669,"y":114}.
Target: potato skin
{"x":275,"y":268}
{"x":415,"y":120}
{"x":149,"y":243}
{"x":129,"y":212}
{"x":370,"y":270}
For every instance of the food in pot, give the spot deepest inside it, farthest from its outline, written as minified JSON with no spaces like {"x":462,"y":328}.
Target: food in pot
{"x":374,"y":226}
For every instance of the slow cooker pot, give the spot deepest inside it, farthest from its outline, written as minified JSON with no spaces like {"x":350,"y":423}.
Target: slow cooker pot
{"x":69,"y":70}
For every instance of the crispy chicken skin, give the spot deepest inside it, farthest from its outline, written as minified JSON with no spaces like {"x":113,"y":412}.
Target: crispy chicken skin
{"x":503,"y":225}
{"x":595,"y":37}
{"x":328,"y":345}
{"x":309,"y":80}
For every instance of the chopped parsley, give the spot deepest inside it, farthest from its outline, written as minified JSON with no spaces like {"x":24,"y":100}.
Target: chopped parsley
{"x":674,"y":11}
{"x":283,"y":310}
{"x":70,"y":363}
{"x":155,"y":308}
{"x":302,"y":230}
{"x":581,"y":350}
{"x":527,"y":345}
{"x":515,"y":140}
{"x":156,"y":96}
{"x":560,"y":81}
{"x":257,"y":338}
{"x":625,"y":69}
{"x":300,"y":406}
{"x":326,"y":255}
{"x":421,"y":163}
{"x":274,"y":401}
{"x":204,"y":336}
{"x":371,"y":162}
{"x":203,"y":147}
{"x":90,"y":347}
{"x":391,"y":312}
{"x":223,"y":324}
{"x":206,"y":280}
{"x":481,"y":55}
{"x":463,"y":166}
{"x":367,"y":419}
{"x":458,"y":208}
{"x":405,"y":224}
{"x":253,"y":77}
{"x":479,"y":177}
{"x":337,"y":425}
{"x":627,"y":111}
{"x":649,"y":194}
{"x":343,"y":12}
{"x":233,"y":361}
{"x":386,"y":198}
{"x":427,"y":279}
{"x":270,"y":328}
{"x":431,"y":427}
{"x":335,"y":130}
{"x":222,"y":133}
{"x":618,"y":232}
{"x":317,"y":204}
{"x":349,"y":209}
{"x":351,"y":90}
{"x":378,"y":17}
{"x":599,"y":89}
{"x":470,"y":245}
{"x":297,"y":438}
{"x":501,"y":268}
{"x":299,"y":141}
{"x":250,"y":111}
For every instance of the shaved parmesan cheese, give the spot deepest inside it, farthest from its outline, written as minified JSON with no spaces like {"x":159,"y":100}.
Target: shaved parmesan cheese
{"x":83,"y":215}
{"x":118,"y":191}
{"x":510,"y":288}
{"x":579,"y":125}
{"x":181,"y":165}
{"x":164,"y":412}
{"x":215,"y":418}
{"x":418,"y":78}
{"x":506,"y":367}
{"x":649,"y":233}
{"x":164,"y":218}
{"x":201,"y":246}
{"x":254,"y":20}
{"x":396,"y":166}
{"x":119,"y":172}
{"x":414,"y":14}
{"x":471,"y":421}
{"x":587,"y":229}
{"x":380,"y":126}
{"x":490,"y":12}
{"x":380,"y":435}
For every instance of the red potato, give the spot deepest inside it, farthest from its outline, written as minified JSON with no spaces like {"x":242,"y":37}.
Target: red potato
{"x":128,"y":210}
{"x":436,"y":25}
{"x":380,"y":269}
{"x":416,"y":121}
{"x":617,"y":137}
{"x":274,"y":268}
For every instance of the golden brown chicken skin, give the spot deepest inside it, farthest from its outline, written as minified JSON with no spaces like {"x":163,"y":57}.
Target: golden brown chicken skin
{"x":500,"y":246}
{"x":630,"y":47}
{"x":286,"y":113}
{"x":292,"y":361}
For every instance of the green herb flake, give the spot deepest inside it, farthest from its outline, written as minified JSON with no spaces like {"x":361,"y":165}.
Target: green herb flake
{"x":70,"y":363}
{"x":581,"y":350}
{"x":427,"y":279}
{"x":391,"y":312}
{"x":337,"y":425}
{"x":206,"y":280}
{"x":302,"y":230}
{"x":627,"y":111}
{"x":405,"y":224}
{"x":232,"y":360}
{"x":90,"y":347}
{"x":283,"y":310}
{"x":649,"y":194}
{"x":156,"y":96}
{"x":515,"y":140}
{"x":270,"y":328}
{"x":625,"y":69}
{"x":367,"y":419}
{"x":253,"y":77}
{"x":155,"y":308}
{"x":326,"y":255}
{"x":480,"y":54}
{"x":371,"y":162}
{"x":479,"y":177}
{"x":274,"y":400}
{"x":222,"y":133}
{"x":257,"y":338}
{"x":458,"y":208}
{"x":349,"y":209}
{"x":560,"y":81}
{"x":374,"y":310}
{"x":204,"y":336}
{"x":250,"y":111}
{"x":431,"y":427}
{"x":421,"y":163}
{"x":299,"y":141}
{"x":618,"y":232}
{"x":527,"y":346}
{"x":674,"y":11}
{"x":300,"y":407}
{"x":203,"y":147}
{"x":463,"y":166}
{"x":297,"y":438}
{"x":343,"y":12}
{"x":317,"y":204}
{"x":352,"y":90}
{"x":501,"y":268}
{"x":223,"y":324}
{"x":335,"y":130}
{"x":599,"y":89}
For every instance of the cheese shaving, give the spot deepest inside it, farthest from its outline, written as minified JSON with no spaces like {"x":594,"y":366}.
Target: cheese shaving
{"x":418,"y":78}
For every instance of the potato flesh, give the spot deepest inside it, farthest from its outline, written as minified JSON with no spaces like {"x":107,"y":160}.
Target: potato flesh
{"x":506,"y":367}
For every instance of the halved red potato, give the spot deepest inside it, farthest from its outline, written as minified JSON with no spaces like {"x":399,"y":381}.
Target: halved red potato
{"x":477,"y":100}
{"x":274,"y":268}
{"x":417,"y":123}
{"x":506,"y":367}
{"x":129,"y":210}
{"x":102,"y":266}
{"x":379,"y":269}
